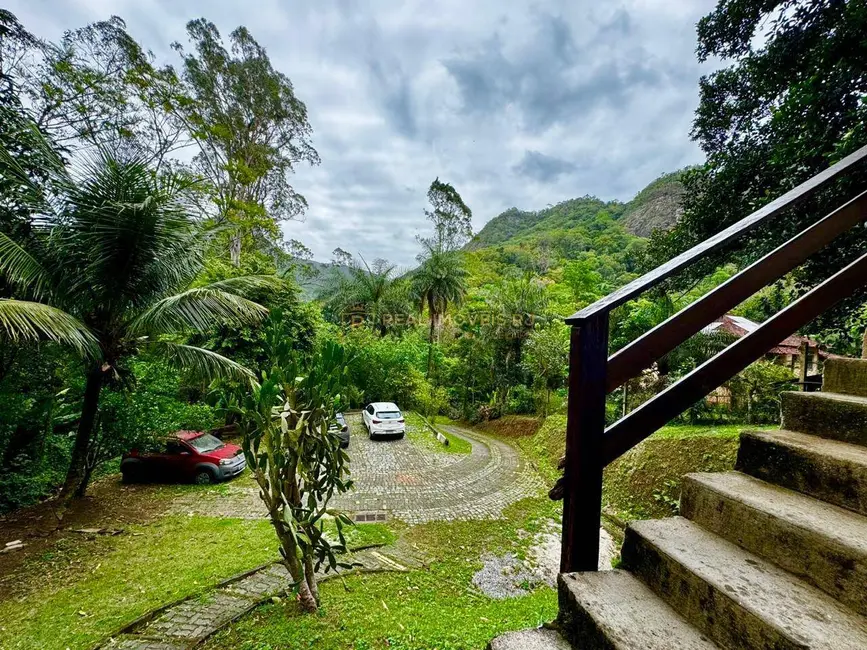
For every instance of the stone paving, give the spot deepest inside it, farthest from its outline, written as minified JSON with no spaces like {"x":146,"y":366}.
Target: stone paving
{"x":409,"y":481}
{"x":191,"y":621}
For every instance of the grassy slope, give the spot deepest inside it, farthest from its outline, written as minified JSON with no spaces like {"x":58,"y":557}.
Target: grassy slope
{"x":645,"y":482}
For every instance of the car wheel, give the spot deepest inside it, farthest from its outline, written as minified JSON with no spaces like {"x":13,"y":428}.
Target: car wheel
{"x":129,"y":476}
{"x":204,"y":477}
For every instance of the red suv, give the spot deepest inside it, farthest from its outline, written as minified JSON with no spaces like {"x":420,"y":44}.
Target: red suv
{"x":188,"y":455}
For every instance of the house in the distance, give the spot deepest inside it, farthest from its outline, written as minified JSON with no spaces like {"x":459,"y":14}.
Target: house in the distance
{"x":787,"y":353}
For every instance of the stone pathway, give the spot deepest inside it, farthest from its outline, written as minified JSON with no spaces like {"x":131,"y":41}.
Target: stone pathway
{"x":188,"y":623}
{"x":405,"y":480}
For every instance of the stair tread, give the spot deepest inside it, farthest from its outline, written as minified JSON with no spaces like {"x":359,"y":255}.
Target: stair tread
{"x":536,"y":639}
{"x":630,"y":615}
{"x":838,"y":397}
{"x":845,"y":527}
{"x":801,"y":612}
{"x":834,"y":449}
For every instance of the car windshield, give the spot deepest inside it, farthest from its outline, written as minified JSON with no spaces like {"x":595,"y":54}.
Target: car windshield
{"x":205,"y":443}
{"x":389,"y":415}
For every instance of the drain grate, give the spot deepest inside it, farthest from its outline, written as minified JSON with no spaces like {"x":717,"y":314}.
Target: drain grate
{"x":369,"y":517}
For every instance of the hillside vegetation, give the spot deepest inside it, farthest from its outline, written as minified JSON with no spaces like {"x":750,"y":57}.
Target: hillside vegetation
{"x":656,"y":207}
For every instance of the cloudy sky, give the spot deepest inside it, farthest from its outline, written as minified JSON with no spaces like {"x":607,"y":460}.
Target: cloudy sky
{"x":515,"y":103}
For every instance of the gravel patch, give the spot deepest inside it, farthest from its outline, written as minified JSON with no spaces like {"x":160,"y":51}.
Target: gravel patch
{"x":504,"y":576}
{"x":507,"y":576}
{"x":544,"y":555}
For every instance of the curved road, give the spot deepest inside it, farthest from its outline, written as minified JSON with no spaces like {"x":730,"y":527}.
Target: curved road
{"x":412,"y":482}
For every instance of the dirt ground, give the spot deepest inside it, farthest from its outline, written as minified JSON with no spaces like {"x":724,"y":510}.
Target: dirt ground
{"x":109,"y":505}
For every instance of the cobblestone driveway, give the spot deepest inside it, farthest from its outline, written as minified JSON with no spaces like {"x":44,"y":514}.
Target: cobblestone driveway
{"x":409,"y":481}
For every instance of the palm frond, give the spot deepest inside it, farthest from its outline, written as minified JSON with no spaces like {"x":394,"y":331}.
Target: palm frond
{"x":196,"y":309}
{"x":202,"y":363}
{"x":246,"y":283}
{"x":21,"y":269}
{"x":22,"y":320}
{"x":134,"y":237}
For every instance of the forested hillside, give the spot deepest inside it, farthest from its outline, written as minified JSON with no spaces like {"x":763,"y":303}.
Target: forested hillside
{"x":656,"y":207}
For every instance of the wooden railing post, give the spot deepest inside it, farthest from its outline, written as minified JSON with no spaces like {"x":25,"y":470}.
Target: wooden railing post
{"x":585,"y":425}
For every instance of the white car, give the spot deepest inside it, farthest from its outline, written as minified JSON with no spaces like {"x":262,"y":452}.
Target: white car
{"x":383,"y":419}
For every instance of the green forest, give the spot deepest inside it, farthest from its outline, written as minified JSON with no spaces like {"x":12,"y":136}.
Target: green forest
{"x":137,"y":288}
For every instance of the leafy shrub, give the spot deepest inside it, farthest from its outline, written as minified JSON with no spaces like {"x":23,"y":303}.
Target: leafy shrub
{"x":521,"y":400}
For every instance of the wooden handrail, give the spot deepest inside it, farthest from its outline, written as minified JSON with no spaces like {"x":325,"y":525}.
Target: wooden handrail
{"x":662,"y":339}
{"x":654,"y":413}
{"x":791,"y":198}
{"x":589,"y":445}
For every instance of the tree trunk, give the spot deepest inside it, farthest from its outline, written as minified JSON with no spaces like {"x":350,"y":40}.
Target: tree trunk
{"x":864,"y":346}
{"x":310,"y":578}
{"x":77,"y":476}
{"x":235,"y":249}
{"x":430,"y":337}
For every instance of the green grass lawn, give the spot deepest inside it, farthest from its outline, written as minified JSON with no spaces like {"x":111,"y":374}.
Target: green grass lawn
{"x":420,"y":434}
{"x":437,"y":607}
{"x":681,"y":431}
{"x":82,"y":590}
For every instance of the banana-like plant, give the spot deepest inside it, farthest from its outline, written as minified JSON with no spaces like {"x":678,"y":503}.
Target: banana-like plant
{"x":107,"y":269}
{"x":296,"y":461}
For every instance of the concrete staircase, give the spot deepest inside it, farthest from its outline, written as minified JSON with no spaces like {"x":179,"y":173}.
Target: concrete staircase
{"x":770,"y":556}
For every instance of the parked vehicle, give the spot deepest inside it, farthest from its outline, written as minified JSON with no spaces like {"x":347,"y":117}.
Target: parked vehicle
{"x":187,"y":455}
{"x":383,"y":419}
{"x":341,"y":429}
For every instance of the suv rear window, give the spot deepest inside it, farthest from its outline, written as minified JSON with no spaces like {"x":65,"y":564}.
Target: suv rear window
{"x":389,"y":415}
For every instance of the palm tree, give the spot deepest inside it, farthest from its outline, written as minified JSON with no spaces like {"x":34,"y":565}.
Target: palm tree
{"x":370,"y":287}
{"x":439,"y":281}
{"x":108,"y":270}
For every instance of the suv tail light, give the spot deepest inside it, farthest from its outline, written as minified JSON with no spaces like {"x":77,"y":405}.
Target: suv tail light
{"x":401,"y":420}
{"x":376,"y":421}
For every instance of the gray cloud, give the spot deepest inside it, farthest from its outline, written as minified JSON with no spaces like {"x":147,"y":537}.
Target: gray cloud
{"x":519,"y":104}
{"x":543,"y":168}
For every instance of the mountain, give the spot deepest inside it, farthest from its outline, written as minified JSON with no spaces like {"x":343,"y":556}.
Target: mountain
{"x":657,"y":206}
{"x":313,"y":276}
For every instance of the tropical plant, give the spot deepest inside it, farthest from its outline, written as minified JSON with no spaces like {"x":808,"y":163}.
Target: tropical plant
{"x":368,"y":293}
{"x":440,"y":281}
{"x":297,"y":463}
{"x":107,"y":270}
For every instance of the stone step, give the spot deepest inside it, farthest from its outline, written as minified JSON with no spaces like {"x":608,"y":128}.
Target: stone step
{"x":613,"y":610}
{"x":847,"y":376}
{"x":538,"y":639}
{"x":738,"y":599}
{"x":835,"y":472}
{"x":827,"y":415}
{"x":820,"y":543}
